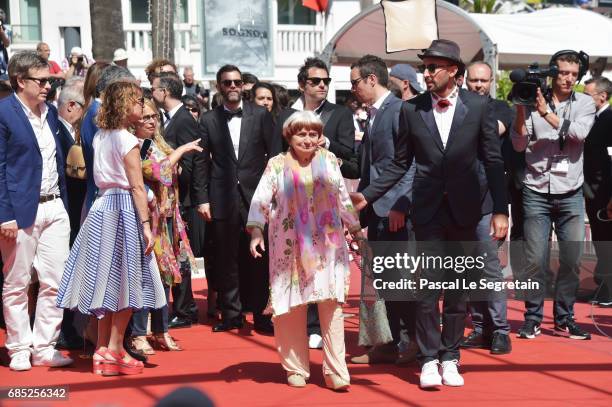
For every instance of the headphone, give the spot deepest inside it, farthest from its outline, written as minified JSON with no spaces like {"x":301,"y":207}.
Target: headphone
{"x":583,"y":61}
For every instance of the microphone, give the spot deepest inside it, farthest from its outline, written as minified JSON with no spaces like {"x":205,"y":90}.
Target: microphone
{"x":518,"y":75}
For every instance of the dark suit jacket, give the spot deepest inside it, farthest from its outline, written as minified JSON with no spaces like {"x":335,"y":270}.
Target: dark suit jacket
{"x":597,"y":166}
{"x":183,"y":129}
{"x":222,"y":179}
{"x":450,"y":171}
{"x":21,"y":163}
{"x":338,"y":127}
{"x":376,"y":153}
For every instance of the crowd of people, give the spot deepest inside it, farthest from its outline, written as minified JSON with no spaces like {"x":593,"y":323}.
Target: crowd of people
{"x":109,"y":190}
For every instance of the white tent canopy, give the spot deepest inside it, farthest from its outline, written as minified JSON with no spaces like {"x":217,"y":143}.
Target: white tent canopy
{"x":506,"y":40}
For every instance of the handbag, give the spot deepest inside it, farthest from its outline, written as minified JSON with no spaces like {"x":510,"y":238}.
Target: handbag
{"x":75,"y":161}
{"x":373,"y":323}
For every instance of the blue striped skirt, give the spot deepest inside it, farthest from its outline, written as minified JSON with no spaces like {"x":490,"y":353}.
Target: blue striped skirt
{"x":107,"y":270}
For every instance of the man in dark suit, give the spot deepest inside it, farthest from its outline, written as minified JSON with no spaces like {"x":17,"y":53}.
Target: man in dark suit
{"x":338,"y":137}
{"x":180,"y":128}
{"x":387,"y":219}
{"x":238,"y":140}
{"x":70,"y":109}
{"x":488,"y":311}
{"x":444,"y":129}
{"x":34,"y":224}
{"x":598,"y":185}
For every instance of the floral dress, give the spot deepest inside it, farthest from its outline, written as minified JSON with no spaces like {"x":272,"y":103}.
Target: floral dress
{"x":171,"y":246}
{"x":305,"y":208}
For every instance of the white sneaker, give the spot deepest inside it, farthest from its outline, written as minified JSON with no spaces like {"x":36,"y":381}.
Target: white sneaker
{"x":315,"y":341}
{"x":52,"y":359}
{"x":20,"y":361}
{"x":450,"y":374}
{"x":430,"y":376}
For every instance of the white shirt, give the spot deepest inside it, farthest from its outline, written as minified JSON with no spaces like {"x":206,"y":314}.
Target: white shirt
{"x":44,"y":136}
{"x":110,"y":148}
{"x":444,"y":117}
{"x":376,"y":107}
{"x":234,"y":128}
{"x":171,"y":114}
{"x":600,"y":111}
{"x":69,"y":127}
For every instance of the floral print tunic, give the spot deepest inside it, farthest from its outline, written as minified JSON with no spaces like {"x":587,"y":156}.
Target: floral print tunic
{"x":292,"y":283}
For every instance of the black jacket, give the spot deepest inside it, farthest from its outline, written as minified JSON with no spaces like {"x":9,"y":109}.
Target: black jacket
{"x":222,"y":179}
{"x":450,"y":171}
{"x":183,"y":129}
{"x":597,"y":166}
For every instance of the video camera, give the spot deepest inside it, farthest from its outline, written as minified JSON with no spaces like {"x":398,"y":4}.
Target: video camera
{"x":527,"y":81}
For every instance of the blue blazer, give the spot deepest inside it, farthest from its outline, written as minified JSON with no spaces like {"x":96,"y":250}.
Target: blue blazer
{"x":88,"y":131}
{"x":376,"y":153}
{"x":21,"y":163}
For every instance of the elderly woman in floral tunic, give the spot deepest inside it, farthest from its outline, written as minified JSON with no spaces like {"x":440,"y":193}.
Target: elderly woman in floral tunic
{"x":303,"y":198}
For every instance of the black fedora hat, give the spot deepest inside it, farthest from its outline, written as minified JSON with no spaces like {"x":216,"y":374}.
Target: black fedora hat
{"x":446,"y":49}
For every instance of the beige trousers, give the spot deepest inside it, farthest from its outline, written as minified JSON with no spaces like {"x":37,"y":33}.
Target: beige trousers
{"x":292,"y":340}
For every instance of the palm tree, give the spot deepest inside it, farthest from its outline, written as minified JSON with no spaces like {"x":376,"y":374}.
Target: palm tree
{"x":162,"y":28}
{"x":106,"y":28}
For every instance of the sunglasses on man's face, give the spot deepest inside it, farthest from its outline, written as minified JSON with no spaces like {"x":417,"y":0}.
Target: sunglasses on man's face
{"x":42,"y":82}
{"x":192,"y":109}
{"x":316,"y":81}
{"x":228,"y":82}
{"x":431,"y":68}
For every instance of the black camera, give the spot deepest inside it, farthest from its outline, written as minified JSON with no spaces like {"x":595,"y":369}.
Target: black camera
{"x":527,"y":81}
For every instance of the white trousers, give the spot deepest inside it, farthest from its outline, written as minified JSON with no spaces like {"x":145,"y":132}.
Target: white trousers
{"x":292,"y":340}
{"x":42,"y":248}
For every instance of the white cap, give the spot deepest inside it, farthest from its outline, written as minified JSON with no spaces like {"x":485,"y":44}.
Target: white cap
{"x":76,"y":51}
{"x":119,"y":55}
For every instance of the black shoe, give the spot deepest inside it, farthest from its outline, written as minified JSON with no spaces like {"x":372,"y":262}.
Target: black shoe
{"x":177,"y":322}
{"x":476,"y":340}
{"x":136,"y":354}
{"x":529,"y":330}
{"x":228,"y":325}
{"x":571,"y":330}
{"x":501,"y":344}
{"x":264,"y":326}
{"x":69,"y":343}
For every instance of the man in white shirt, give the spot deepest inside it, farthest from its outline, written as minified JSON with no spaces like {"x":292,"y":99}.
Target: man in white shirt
{"x":34,"y":225}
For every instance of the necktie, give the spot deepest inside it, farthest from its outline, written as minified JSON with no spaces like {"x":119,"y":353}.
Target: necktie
{"x":230,"y":115}
{"x":167,"y":115}
{"x":443,"y":103}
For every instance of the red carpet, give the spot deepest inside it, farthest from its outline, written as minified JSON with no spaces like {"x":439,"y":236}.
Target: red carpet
{"x":242,"y":369}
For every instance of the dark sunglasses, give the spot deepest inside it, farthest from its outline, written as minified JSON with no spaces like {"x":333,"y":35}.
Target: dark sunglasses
{"x":431,"y":68}
{"x":228,"y":82}
{"x":192,"y":109}
{"x":140,"y":101}
{"x":317,"y":81}
{"x":42,"y":82}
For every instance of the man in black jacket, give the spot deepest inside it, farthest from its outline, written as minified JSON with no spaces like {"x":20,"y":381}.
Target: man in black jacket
{"x":443,"y":130}
{"x":598,"y":185}
{"x":179,"y":128}
{"x":238,"y":140}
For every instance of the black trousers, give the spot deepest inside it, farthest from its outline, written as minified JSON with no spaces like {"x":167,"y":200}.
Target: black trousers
{"x":242,"y":282}
{"x":441,"y":237}
{"x":601,"y":235}
{"x":183,"y":305}
{"x":77,"y":189}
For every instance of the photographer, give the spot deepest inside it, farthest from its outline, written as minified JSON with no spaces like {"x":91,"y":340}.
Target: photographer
{"x":77,"y":64}
{"x":552,"y":134}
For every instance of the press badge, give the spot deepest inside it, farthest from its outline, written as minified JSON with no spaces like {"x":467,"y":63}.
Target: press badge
{"x":560,"y":164}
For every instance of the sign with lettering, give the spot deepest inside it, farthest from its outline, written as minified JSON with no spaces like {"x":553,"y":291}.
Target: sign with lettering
{"x":238,"y":33}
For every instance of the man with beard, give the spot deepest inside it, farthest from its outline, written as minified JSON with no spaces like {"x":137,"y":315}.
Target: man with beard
{"x":238,"y":140}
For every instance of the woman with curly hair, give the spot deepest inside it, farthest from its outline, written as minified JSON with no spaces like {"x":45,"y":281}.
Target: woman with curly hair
{"x":110,"y":271}
{"x":160,"y":170}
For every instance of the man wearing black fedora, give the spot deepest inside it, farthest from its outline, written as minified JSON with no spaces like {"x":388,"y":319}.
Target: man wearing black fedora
{"x":445,"y":130}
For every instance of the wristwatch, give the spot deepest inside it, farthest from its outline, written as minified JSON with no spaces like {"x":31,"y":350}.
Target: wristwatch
{"x":545,"y":114}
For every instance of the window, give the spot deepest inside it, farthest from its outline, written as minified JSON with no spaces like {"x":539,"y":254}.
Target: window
{"x":140,"y":11}
{"x":28,"y":28}
{"x":292,"y":12}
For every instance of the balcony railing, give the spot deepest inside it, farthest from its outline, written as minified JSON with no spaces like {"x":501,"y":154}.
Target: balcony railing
{"x":295,"y":42}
